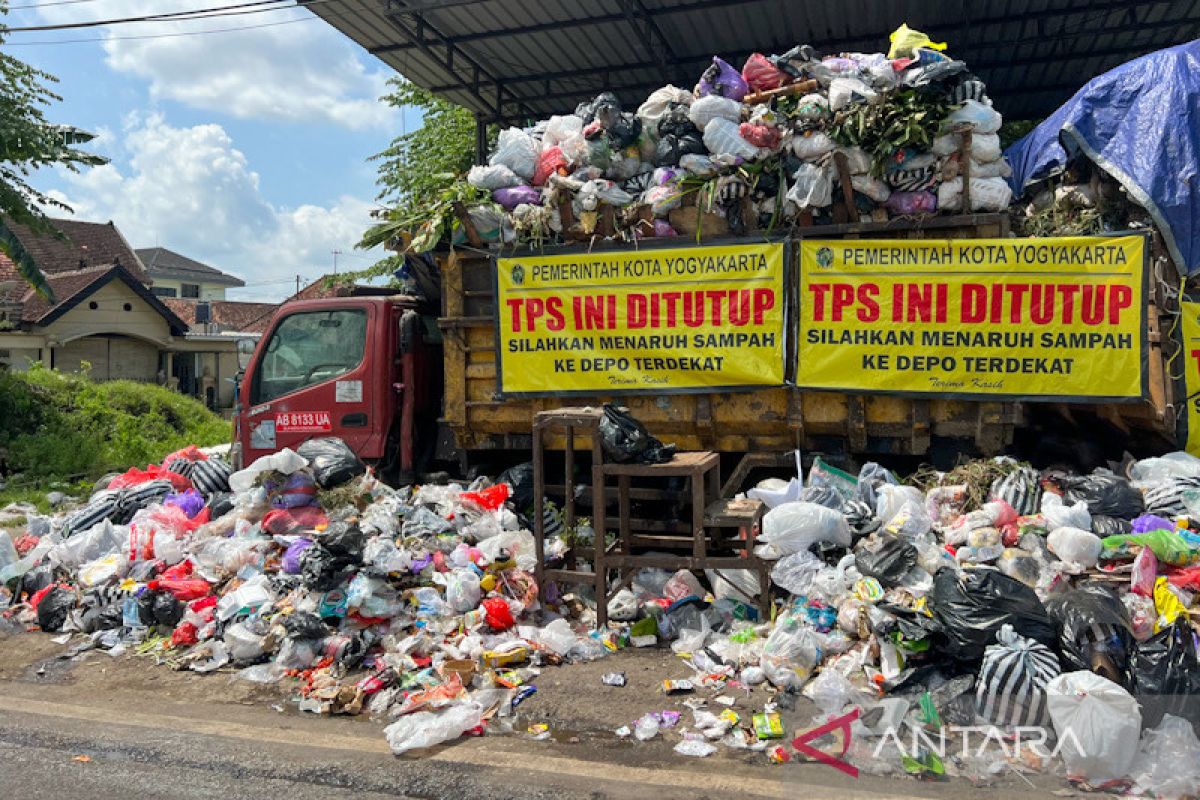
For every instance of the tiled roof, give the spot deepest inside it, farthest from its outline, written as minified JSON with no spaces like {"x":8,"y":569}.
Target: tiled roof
{"x":163,"y":263}
{"x":72,"y":288}
{"x":228,"y":315}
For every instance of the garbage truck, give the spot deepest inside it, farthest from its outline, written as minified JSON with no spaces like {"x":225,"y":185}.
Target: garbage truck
{"x":819,"y":343}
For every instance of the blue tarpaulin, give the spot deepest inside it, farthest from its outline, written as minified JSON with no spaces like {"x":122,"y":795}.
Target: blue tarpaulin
{"x":1140,"y":123}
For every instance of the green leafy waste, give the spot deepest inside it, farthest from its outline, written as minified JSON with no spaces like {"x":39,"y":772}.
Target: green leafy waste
{"x":56,"y":426}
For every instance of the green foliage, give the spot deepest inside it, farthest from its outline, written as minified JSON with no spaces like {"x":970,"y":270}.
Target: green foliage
{"x":55,"y":425}
{"x":1015,"y":129}
{"x":420,"y":173}
{"x":28,"y":142}
{"x":908,"y":118}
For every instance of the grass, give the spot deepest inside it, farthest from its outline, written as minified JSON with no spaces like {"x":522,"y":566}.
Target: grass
{"x":65,"y":429}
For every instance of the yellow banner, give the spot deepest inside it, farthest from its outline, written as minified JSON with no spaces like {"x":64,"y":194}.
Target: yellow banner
{"x":1024,"y":319}
{"x":654,"y":320}
{"x":1189,"y":330}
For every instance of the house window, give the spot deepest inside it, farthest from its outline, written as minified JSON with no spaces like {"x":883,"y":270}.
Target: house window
{"x":163,"y":291}
{"x":191,"y":290}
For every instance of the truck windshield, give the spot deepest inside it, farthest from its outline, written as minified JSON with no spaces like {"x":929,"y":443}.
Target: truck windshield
{"x":308,"y":348}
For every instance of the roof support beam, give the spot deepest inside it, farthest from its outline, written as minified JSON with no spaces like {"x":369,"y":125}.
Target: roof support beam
{"x":415,"y":32}
{"x":1091,"y":9}
{"x":652,"y":39}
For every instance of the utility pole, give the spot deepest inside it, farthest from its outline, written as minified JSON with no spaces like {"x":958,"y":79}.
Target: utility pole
{"x":297,"y":284}
{"x":336,"y":253}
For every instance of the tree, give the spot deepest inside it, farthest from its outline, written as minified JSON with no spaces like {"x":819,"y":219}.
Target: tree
{"x":420,"y":171}
{"x":28,"y":142}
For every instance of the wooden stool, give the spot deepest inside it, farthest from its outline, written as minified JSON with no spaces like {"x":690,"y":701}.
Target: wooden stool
{"x":585,"y":421}
{"x":744,"y":518}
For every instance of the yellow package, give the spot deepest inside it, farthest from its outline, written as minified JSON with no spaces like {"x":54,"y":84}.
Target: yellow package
{"x":905,"y":41}
{"x":1167,"y":603}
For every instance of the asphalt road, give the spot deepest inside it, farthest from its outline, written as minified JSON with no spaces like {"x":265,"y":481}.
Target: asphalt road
{"x":100,"y":727}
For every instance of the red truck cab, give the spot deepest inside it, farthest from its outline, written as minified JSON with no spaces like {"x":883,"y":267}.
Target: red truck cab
{"x":364,"y":369}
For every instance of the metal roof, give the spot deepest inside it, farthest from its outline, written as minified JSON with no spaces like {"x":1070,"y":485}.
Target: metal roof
{"x":512,"y":60}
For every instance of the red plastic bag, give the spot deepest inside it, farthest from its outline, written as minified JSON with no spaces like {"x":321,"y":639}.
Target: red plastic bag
{"x":153,"y":472}
{"x":1145,"y":572}
{"x":490,"y":498}
{"x":760,"y":135}
{"x":1184,"y":578}
{"x":179,"y":572}
{"x":549,"y":162}
{"x":189,"y":453}
{"x":497,"y":613}
{"x":184,"y":589}
{"x":294,"y":521}
{"x":175,"y":520}
{"x":761,"y":74}
{"x":184,"y":635}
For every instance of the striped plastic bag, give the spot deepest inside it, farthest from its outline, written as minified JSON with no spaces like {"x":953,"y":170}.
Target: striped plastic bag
{"x":1011,"y":689}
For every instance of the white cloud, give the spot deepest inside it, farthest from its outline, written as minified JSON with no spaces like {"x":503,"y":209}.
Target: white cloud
{"x":297,"y":72}
{"x":191,"y":190}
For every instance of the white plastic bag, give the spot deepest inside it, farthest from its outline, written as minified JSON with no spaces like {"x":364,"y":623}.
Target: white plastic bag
{"x":721,"y":137}
{"x":711,"y":107}
{"x":812,"y":187}
{"x":792,"y":527}
{"x":1096,"y":721}
{"x":795,"y":573}
{"x":811,"y":146}
{"x":1079,"y":550}
{"x":426,"y":728}
{"x":557,"y":637}
{"x":946,"y":144}
{"x":1059,"y":515}
{"x":858,"y":161}
{"x":658,"y":103}
{"x":873,"y":188}
{"x":844,"y":91}
{"x":492,"y":177}
{"x":698,"y":165}
{"x":890,"y":498}
{"x":775,"y":492}
{"x":992,"y":169}
{"x":286,"y":461}
{"x":1168,"y":762}
{"x":740,"y":585}
{"x":985,"y":147}
{"x":462,"y":590}
{"x":516,"y":150}
{"x":1149,"y":472}
{"x":790,"y":652}
{"x":987,"y":194}
{"x":981,"y":117}
{"x":101,"y":539}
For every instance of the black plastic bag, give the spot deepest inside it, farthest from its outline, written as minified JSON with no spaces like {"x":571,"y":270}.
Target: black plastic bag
{"x":626,"y":441}
{"x":912,"y":625}
{"x":302,"y":625}
{"x":887,"y":559}
{"x":972,"y":608}
{"x":159,"y":608}
{"x":870,"y":478}
{"x":35,"y":580}
{"x":671,"y":148}
{"x":604,"y":107}
{"x":344,"y":540}
{"x":520,"y":479}
{"x":1111,"y":526}
{"x":101,"y":618}
{"x":1094,"y":633}
{"x":220,"y":504}
{"x":822,"y":496}
{"x":1167,"y":675}
{"x":321,"y":571}
{"x":1106,"y":495}
{"x":332,"y":461}
{"x":624,"y":131}
{"x":54,"y":607}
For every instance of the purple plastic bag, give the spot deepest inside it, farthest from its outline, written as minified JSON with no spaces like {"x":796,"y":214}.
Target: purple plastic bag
{"x":662,"y":228}
{"x":722,"y":79}
{"x":190,"y":502}
{"x":512,"y":196}
{"x":908,"y":203}
{"x":292,"y":556}
{"x":1151,"y":522}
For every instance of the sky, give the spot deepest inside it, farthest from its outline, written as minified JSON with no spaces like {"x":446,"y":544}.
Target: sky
{"x":245,"y":149}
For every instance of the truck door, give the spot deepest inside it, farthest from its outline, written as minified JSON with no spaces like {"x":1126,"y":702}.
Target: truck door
{"x":313,"y":378}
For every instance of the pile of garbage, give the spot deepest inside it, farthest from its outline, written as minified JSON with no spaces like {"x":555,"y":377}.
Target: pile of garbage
{"x":753,"y":148}
{"x":993,"y":594}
